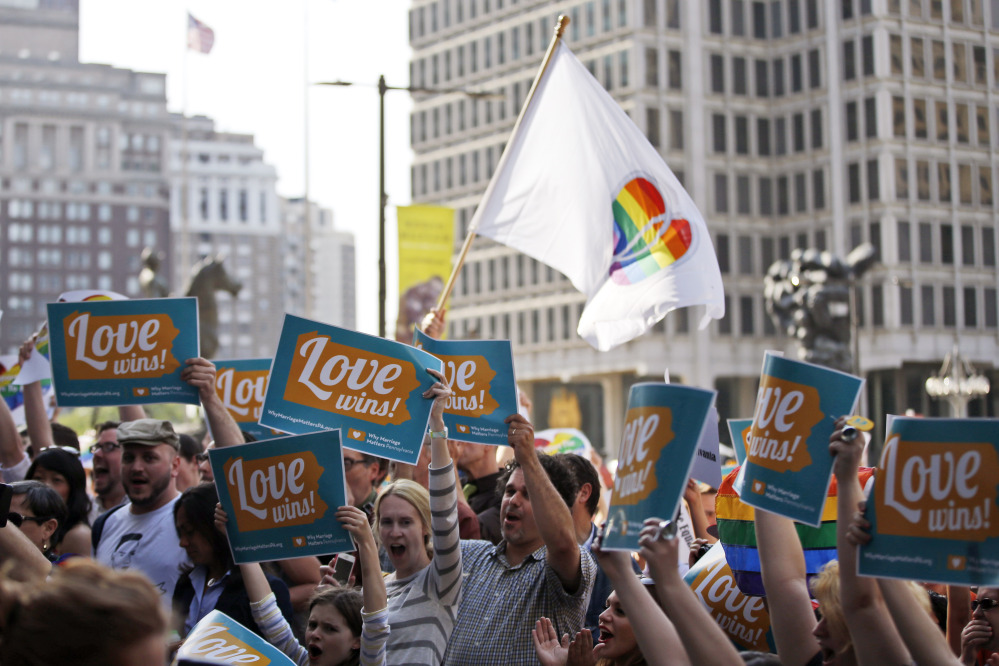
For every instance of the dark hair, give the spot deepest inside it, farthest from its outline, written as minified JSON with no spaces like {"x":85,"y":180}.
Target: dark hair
{"x":248,"y":437}
{"x":938,"y":603}
{"x":78,"y":503}
{"x":558,"y":473}
{"x":107,"y":425}
{"x":347,"y":602}
{"x":199,"y":503}
{"x":44,"y":502}
{"x":584,"y":472}
{"x":189,"y":447}
{"x":65,"y":436}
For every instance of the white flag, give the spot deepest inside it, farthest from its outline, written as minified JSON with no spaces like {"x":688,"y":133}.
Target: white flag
{"x":581,"y":189}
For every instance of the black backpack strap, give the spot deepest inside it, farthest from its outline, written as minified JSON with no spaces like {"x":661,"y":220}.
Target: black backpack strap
{"x":98,"y":527}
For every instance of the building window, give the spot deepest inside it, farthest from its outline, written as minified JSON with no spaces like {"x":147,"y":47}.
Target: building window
{"x":762,"y":78}
{"x":717,"y":73}
{"x":925,"y":243}
{"x":739,"y":76}
{"x":715,"y":17}
{"x":970,"y":308}
{"x":721,"y":193}
{"x":746,"y":315}
{"x":718,"y":132}
{"x":675,"y":70}
{"x":814,"y":69}
{"x":901,"y":179}
{"x":926,"y":296}
{"x":873,"y":181}
{"x":849,"y":60}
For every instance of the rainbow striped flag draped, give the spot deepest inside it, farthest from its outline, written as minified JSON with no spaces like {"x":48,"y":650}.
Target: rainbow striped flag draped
{"x":737,"y":533}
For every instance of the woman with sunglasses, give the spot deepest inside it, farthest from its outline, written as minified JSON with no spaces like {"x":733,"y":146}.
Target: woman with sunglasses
{"x":980,"y":638}
{"x":38,"y":511}
{"x":63,"y":472}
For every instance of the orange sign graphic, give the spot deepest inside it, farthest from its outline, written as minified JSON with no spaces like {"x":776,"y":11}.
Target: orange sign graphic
{"x":469,"y":377}
{"x":744,"y":619}
{"x":785,"y":414}
{"x":242,"y":392}
{"x":647,"y":431}
{"x":119,"y":346}
{"x":938,"y":490}
{"x":344,"y":380}
{"x":280,"y":491}
{"x":216,"y":643}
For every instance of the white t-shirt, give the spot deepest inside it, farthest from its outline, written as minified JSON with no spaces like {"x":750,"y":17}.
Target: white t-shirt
{"x":146,"y":542}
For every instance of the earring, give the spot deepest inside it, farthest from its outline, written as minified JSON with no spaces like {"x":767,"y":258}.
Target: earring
{"x":46,"y":546}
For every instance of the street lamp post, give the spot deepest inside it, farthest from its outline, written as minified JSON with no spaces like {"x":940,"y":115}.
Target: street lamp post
{"x":382,"y":196}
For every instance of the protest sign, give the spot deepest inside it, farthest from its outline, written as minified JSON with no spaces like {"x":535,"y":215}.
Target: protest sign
{"x":739,"y":429}
{"x":37,"y":366}
{"x":480,"y":373}
{"x":281,"y":496}
{"x":107,"y":352}
{"x":426,"y":244}
{"x":219,"y":639}
{"x":662,"y":427}
{"x":324,"y":377}
{"x":744,"y":619}
{"x":788,"y":466}
{"x":241,"y":385}
{"x":933,"y":512}
{"x":707,"y":462}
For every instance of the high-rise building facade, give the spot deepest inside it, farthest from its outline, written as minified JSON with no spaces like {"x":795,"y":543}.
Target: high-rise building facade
{"x":224,"y":204}
{"x":793,"y":124}
{"x":83,"y":167}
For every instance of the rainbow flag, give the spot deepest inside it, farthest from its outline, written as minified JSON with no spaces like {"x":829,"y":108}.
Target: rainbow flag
{"x":737,"y":533}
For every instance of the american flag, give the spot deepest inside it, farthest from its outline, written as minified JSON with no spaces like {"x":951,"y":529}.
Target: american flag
{"x":200,"y":37}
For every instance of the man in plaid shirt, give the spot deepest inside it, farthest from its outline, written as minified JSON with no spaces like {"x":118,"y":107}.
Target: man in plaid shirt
{"x":537,"y":570}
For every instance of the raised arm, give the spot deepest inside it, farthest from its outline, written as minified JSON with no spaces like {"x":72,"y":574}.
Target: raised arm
{"x":131,"y":413}
{"x":550,"y":511}
{"x":433,"y":323}
{"x":200,"y":373}
{"x":875,"y":638}
{"x":698,"y":519}
{"x":36,"y":417}
{"x":355,"y":521}
{"x":18,"y":551}
{"x":703,"y":640}
{"x":658,"y":638}
{"x":11,"y":445}
{"x":782,"y":563}
{"x":443,"y":499}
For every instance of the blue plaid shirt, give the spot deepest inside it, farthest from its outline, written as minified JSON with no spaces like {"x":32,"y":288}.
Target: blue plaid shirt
{"x":501,"y":603}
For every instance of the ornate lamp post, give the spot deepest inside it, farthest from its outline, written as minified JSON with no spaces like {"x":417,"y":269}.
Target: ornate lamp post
{"x":957,"y":383}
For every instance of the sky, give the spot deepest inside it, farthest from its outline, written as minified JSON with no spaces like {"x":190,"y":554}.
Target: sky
{"x":253,"y":82}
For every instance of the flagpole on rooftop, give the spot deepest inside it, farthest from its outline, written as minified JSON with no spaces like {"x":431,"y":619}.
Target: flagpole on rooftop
{"x":560,"y":26}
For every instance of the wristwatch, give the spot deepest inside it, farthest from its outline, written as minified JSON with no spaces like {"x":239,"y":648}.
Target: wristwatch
{"x":439,"y":434}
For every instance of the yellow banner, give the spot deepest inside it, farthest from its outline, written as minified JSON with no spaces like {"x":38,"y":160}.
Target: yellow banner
{"x":426,"y":245}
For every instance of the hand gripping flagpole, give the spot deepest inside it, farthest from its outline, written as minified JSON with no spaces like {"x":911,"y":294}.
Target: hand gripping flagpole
{"x":560,"y":26}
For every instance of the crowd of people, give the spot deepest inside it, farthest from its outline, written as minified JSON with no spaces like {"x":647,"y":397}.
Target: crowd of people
{"x":460,"y":561}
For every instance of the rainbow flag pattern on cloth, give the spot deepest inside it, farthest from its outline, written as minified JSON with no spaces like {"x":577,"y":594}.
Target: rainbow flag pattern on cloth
{"x":643,"y":243}
{"x":737,"y":533}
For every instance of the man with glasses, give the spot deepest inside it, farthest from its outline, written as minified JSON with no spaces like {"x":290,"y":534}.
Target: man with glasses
{"x":106,"y":469}
{"x":980,"y":638}
{"x":362,"y":472}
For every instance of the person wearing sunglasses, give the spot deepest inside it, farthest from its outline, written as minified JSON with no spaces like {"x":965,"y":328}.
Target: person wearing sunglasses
{"x":980,"y":638}
{"x":38,"y":511}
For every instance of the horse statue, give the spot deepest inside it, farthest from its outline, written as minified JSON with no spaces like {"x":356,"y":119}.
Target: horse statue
{"x":207,"y":277}
{"x":151,"y":281}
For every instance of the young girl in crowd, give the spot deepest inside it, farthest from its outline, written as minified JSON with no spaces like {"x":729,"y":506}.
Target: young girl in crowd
{"x":213,"y":582}
{"x":63,"y":472}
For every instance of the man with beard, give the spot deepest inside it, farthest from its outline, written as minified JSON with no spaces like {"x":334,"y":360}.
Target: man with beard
{"x":141,"y":534}
{"x":537,"y":570}
{"x":106,"y":470}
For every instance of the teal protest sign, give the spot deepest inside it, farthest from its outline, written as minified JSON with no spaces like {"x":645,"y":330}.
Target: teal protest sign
{"x":934,"y":513}
{"x":480,"y":373}
{"x":122,"y":352}
{"x":744,"y":619}
{"x":788,"y":465}
{"x":739,"y":429}
{"x":219,"y":639}
{"x":662,"y":427}
{"x":281,"y":496}
{"x":241,"y":386}
{"x":324,"y":377}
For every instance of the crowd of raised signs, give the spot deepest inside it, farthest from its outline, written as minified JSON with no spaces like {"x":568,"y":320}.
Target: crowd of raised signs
{"x":460,"y":560}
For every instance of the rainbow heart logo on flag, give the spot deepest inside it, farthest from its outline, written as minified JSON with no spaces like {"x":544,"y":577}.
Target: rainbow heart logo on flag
{"x":644,"y":243}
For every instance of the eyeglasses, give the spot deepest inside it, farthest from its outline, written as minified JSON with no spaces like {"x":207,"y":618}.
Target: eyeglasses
{"x":348,"y":463}
{"x":106,"y":447}
{"x":202,"y":457}
{"x":17,"y":519}
{"x":985,"y":603}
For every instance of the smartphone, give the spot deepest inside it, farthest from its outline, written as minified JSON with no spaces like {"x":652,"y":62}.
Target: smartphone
{"x":343,"y":567}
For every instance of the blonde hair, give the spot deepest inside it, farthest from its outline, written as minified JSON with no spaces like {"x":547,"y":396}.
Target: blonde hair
{"x":825,"y":587}
{"x":98,"y":613}
{"x":418,"y":497}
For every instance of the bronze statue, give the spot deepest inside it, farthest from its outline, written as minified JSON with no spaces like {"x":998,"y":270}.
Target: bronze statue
{"x":207,"y":277}
{"x":808,"y":297}
{"x":150,"y":280}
